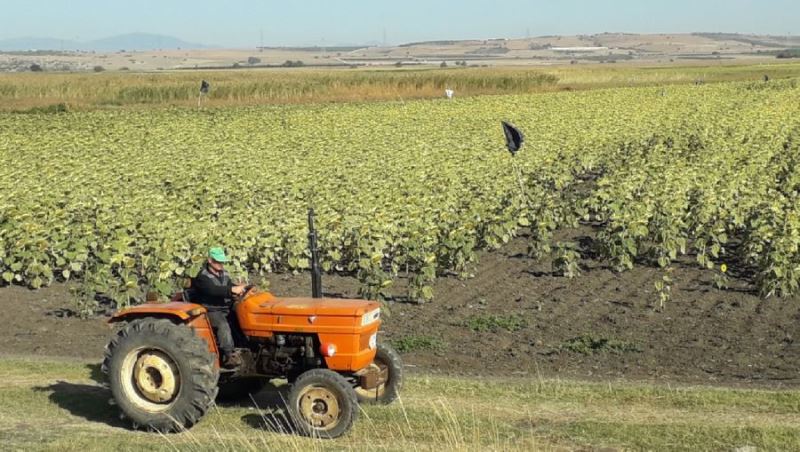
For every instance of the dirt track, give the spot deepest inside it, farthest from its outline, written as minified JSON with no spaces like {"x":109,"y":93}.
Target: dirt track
{"x":702,"y":335}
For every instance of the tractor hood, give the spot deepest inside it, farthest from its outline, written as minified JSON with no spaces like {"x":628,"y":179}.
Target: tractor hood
{"x":265,"y":303}
{"x":319,"y":306}
{"x":349,"y":325}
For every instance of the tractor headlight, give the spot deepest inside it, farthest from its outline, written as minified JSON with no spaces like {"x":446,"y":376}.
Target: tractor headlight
{"x":370,"y":317}
{"x":328,"y":350}
{"x":373,"y":341}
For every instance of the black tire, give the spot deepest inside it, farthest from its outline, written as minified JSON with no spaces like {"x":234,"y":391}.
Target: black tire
{"x":386,"y":356}
{"x":155,"y":358}
{"x":236,"y":389}
{"x":328,"y":389}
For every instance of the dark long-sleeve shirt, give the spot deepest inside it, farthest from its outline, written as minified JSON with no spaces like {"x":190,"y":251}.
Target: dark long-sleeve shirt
{"x":213,"y":291}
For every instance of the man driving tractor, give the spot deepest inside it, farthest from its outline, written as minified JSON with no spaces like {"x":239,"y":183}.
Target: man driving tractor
{"x":162,"y":368}
{"x":215,"y":290}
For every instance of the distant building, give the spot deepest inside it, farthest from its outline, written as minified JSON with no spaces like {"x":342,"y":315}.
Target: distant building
{"x":578,"y":49}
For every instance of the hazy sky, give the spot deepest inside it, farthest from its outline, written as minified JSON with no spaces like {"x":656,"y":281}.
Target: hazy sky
{"x":241,"y":22}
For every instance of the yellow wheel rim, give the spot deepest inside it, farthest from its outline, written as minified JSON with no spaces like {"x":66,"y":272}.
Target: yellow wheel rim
{"x":155,"y":377}
{"x":150,"y":379}
{"x":320,"y":408}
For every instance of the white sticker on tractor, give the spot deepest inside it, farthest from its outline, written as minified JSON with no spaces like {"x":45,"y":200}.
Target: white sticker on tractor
{"x":370,"y":317}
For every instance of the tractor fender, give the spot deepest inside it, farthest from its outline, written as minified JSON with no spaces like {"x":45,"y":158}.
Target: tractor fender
{"x":193,"y":315}
{"x":175,"y":310}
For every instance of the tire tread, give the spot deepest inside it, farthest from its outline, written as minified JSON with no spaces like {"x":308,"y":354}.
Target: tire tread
{"x":203,"y":378}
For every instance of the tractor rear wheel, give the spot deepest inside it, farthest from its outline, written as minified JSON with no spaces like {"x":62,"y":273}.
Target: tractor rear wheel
{"x":161,"y":374}
{"x":322,"y":404}
{"x":388,"y":362}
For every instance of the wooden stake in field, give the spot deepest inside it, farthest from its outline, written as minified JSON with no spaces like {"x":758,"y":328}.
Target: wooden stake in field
{"x":204,"y":87}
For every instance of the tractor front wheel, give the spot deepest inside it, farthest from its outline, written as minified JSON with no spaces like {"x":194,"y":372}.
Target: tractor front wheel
{"x":388,"y":363}
{"x":322,"y":404}
{"x":161,"y":374}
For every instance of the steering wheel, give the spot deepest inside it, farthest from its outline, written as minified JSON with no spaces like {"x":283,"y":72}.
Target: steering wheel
{"x":237,"y":299}
{"x":246,"y":290}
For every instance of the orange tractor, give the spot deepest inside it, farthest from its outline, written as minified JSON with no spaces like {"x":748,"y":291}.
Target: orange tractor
{"x":164,"y":370}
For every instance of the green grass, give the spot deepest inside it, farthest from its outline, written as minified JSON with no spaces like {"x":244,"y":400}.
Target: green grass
{"x":495,"y":323}
{"x":58,"y":405}
{"x":415,"y":343}
{"x":588,"y":345}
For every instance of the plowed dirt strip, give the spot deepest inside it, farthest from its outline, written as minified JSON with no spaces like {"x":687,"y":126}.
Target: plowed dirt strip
{"x":702,"y":336}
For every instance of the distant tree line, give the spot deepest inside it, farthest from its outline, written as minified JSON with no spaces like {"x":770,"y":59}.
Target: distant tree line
{"x":788,"y":53}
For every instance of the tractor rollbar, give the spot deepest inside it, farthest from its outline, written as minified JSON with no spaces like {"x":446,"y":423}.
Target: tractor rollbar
{"x":316,"y":270}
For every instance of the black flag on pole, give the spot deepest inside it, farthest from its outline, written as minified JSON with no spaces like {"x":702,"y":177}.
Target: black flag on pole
{"x":514,"y":138}
{"x":204,"y":87}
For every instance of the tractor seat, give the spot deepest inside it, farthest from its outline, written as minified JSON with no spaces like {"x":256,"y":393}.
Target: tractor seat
{"x":189,"y":293}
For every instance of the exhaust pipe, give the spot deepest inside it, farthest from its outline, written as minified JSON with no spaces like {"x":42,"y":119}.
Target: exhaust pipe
{"x":316,"y":270}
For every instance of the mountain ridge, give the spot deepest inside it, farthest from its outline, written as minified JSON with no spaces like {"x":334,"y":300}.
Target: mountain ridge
{"x":128,"y":41}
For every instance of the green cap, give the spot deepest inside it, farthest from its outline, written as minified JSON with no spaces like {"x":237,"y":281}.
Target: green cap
{"x":218,"y":254}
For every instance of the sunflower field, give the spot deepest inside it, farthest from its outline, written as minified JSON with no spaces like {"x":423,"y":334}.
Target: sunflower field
{"x":127,"y":201}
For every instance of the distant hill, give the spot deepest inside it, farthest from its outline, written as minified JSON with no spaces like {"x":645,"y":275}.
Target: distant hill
{"x":141,"y":41}
{"x":157,"y":52}
{"x":131,"y":42}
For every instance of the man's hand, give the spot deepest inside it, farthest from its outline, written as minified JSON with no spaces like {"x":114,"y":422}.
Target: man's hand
{"x":238,"y":290}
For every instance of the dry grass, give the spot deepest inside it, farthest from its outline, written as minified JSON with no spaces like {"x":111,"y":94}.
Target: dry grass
{"x":590,"y":77}
{"x":233,"y":88}
{"x":57,"y":405}
{"x":21,"y":92}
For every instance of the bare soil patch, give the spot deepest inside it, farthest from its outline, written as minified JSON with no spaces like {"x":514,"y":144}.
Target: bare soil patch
{"x":515,"y":318}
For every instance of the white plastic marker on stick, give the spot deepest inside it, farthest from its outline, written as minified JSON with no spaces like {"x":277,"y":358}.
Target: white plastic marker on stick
{"x":449,"y":93}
